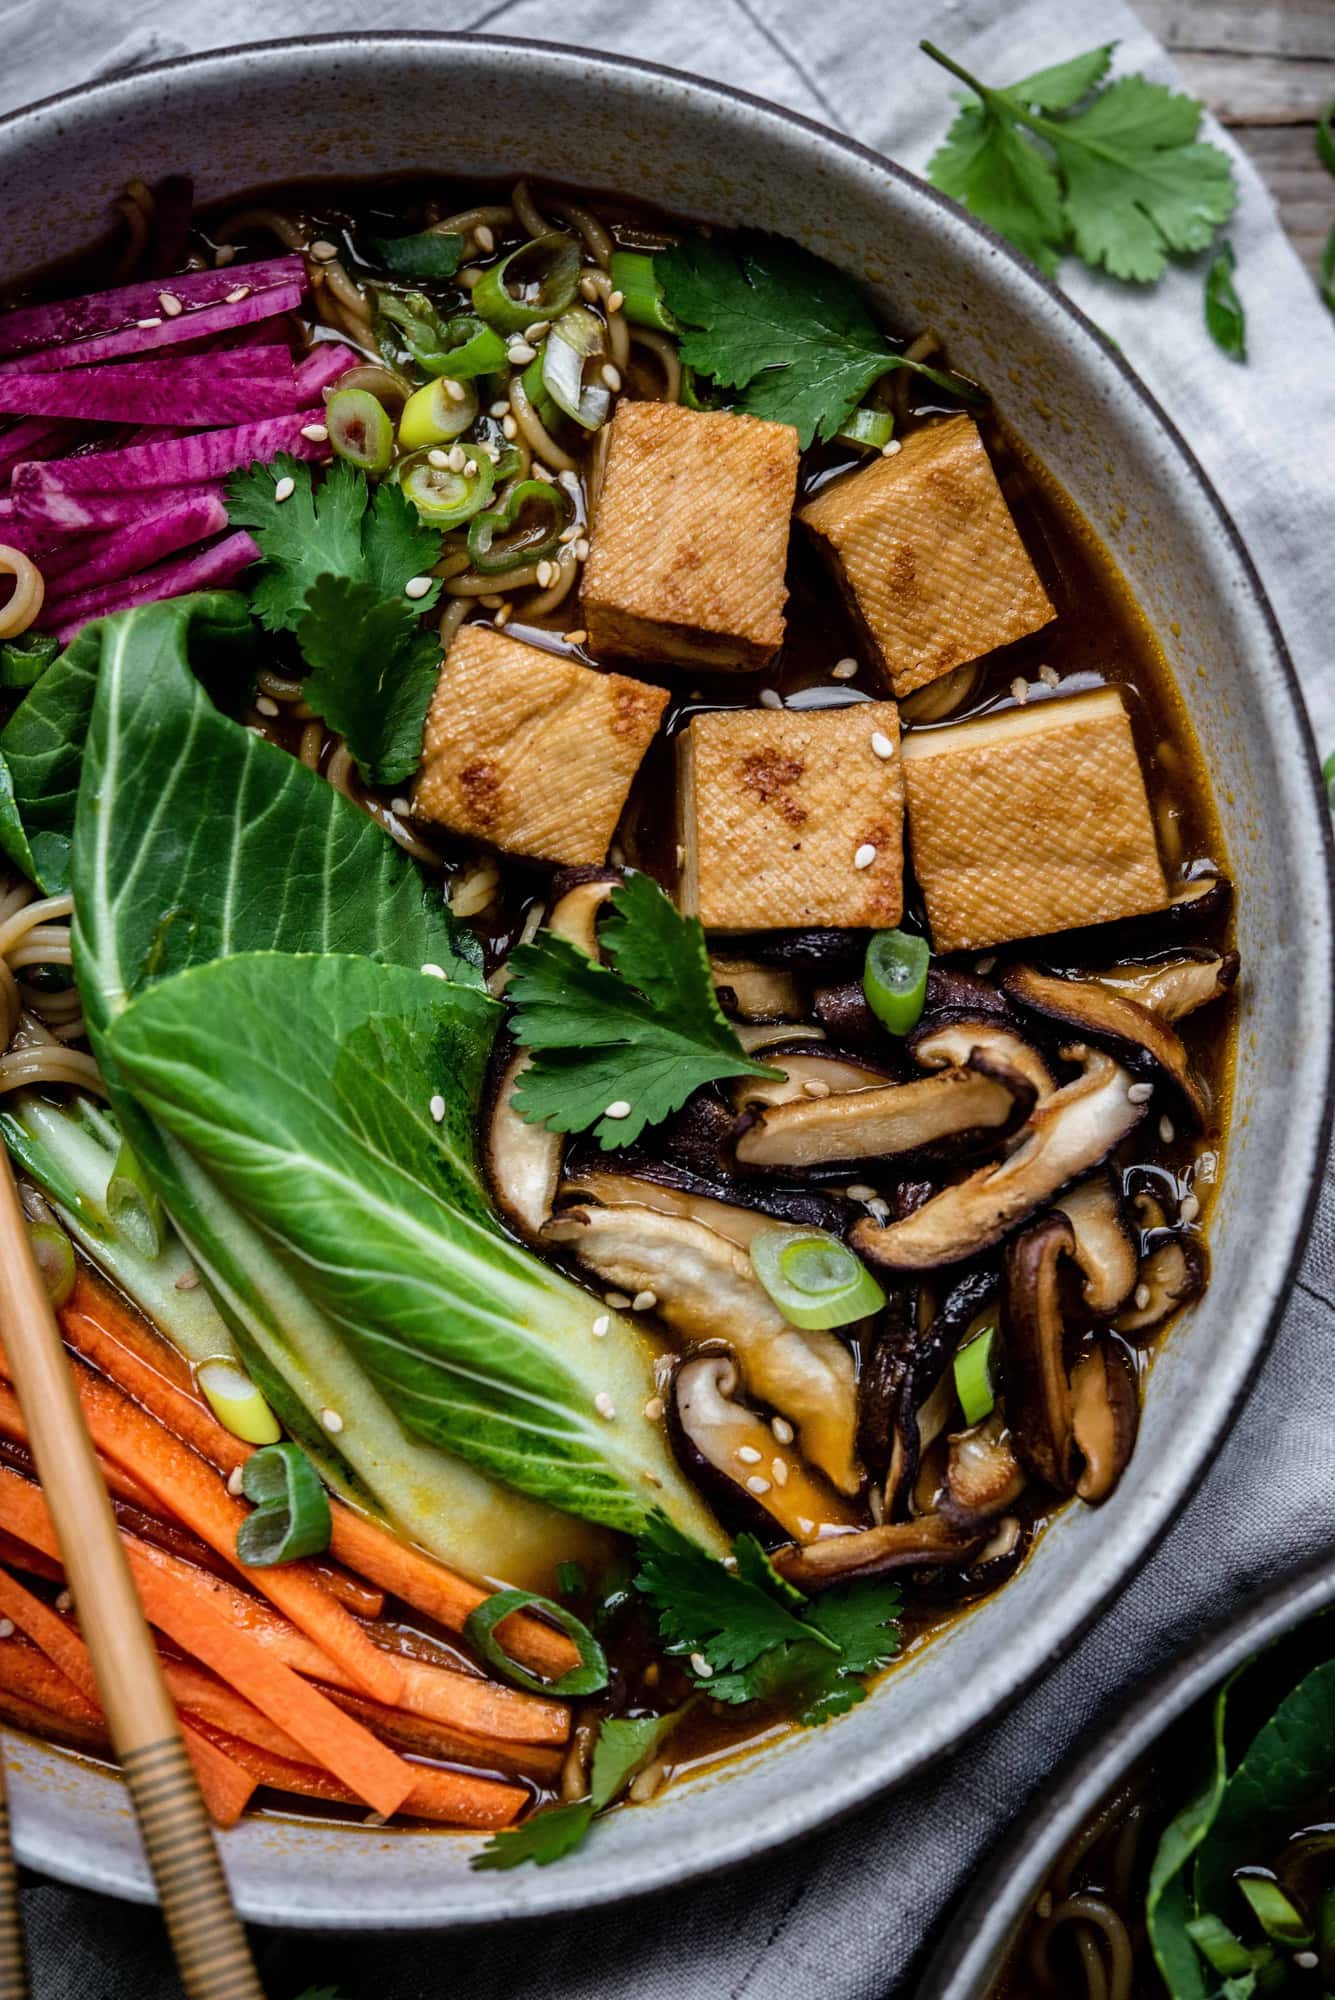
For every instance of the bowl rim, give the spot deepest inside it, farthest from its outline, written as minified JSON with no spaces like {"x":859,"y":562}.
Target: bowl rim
{"x":977,"y":1931}
{"x":858,"y":1790}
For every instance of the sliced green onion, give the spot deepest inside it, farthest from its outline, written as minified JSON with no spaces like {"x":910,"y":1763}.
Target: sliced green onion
{"x":870,"y":430}
{"x":55,"y":1259}
{"x":237,"y":1403}
{"x":570,"y":1579}
{"x":1217,"y":1943}
{"x":438,"y":414}
{"x":973,"y":1376}
{"x":531,"y":544}
{"x":1277,"y":1913}
{"x":551,"y":263}
{"x":633,"y":275}
{"x":894,"y":979}
{"x":291,"y":1518}
{"x":469,"y":348}
{"x":813,"y":1277}
{"x":576,"y":339}
{"x":480,"y":1629}
{"x":711,"y":397}
{"x":360,"y":430}
{"x":25,"y":658}
{"x":536,"y":390}
{"x":133,"y":1206}
{"x":434,"y":253}
{"x":444,"y":498}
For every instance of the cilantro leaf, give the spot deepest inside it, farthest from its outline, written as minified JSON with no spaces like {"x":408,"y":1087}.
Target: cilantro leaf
{"x":432,"y":254}
{"x":397,"y":545}
{"x":789,"y":331}
{"x":861,"y":1621}
{"x":647,"y":1030}
{"x":315,"y":532}
{"x":625,"y":1744}
{"x":374,"y":670}
{"x":552,"y":1833}
{"x":1118,"y":176}
{"x":1224,"y":316}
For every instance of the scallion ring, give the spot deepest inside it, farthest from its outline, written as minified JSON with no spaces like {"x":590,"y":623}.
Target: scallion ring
{"x":869,"y":430}
{"x":236,"y":1402}
{"x":438,"y":414}
{"x":894,"y":979}
{"x":530,"y":544}
{"x":360,"y":430}
{"x":574,"y":341}
{"x":973,"y":1376}
{"x":443,"y":497}
{"x":471,"y":348}
{"x":546,"y":265}
{"x":291,"y":1518}
{"x":133,"y":1205}
{"x":480,"y":1629}
{"x":813,"y":1277}
{"x":633,"y":275}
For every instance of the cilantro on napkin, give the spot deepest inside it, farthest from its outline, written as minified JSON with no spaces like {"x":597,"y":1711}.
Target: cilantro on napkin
{"x":645,"y":1031}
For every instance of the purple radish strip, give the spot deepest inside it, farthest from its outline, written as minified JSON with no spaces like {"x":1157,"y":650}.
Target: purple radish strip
{"x":154,"y":392}
{"x":327,"y":360}
{"x":183,"y":461}
{"x":95,"y":564}
{"x":30,"y":541}
{"x":33,"y":437}
{"x":206,"y":324}
{"x":204,"y":569}
{"x":98,"y":512}
{"x":105,"y":312}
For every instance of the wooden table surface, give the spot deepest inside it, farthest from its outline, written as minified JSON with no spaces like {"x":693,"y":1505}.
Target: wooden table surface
{"x":1266,"y":68}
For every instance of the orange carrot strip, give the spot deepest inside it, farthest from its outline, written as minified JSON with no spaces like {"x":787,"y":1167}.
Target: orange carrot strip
{"x":226,"y":1784}
{"x":47,"y":1629}
{"x":452,"y":1798}
{"x":25,"y":1670}
{"x":328,"y":1735}
{"x":421,"y":1737}
{"x":49,"y":1727}
{"x":17,"y":1555}
{"x":105,"y":1331}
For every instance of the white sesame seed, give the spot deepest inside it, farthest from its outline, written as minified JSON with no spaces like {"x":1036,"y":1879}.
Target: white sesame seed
{"x":1207,"y":1167}
{"x":315,"y":433}
{"x":455,"y":391}
{"x":456,"y":458}
{"x":1188,"y":1208}
{"x":1141,"y":1297}
{"x":615,"y":301}
{"x":701,"y":1667}
{"x":503,"y":616}
{"x":782,"y":1429}
{"x":570,"y":534}
{"x":768,"y":698}
{"x":604,"y":1405}
{"x":285,"y":487}
{"x":234,"y":1486}
{"x":755,"y":1484}
{"x":617,"y":1300}
{"x":859,"y":1191}
{"x":509,"y":427}
{"x":171,"y":305}
{"x":431,"y":970}
{"x":844,"y":670}
{"x":437,"y":1108}
{"x":881,"y":746}
{"x":576,"y":636}
{"x":266,"y":704}
{"x":332,"y":1421}
{"x":402,"y":808}
{"x":484,"y":238}
{"x":148,"y":322}
{"x":1140,"y":1093}
{"x":602,"y":1326}
{"x":889,"y":450}
{"x":816,"y":1086}
{"x":1020,"y":690}
{"x":780,"y":1471}
{"x":618,"y":1108}
{"x":323,"y":251}
{"x":644,"y":1302}
{"x":1166,"y":1129}
{"x":654,"y":1408}
{"x":612,"y":376}
{"x":588,"y":286}
{"x":748,"y":1454}
{"x":985,"y":964}
{"x":544,"y":472}
{"x":237,"y":293}
{"x":187,"y":1281}
{"x":6,"y":1628}
{"x":470,"y":468}
{"x":681,"y":855}
{"x":417,"y":586}
{"x":1049,"y":677}
{"x":519,"y":354}
{"x":582,"y":548}
{"x":879,"y":1210}
{"x":1307,"y":1961}
{"x":544,"y":574}
{"x":865,"y":855}
{"x":537,"y":330}
{"x":65,"y":1603}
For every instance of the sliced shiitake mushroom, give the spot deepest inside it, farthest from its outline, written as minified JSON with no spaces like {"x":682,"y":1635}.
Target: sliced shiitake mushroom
{"x":1105,"y":1416}
{"x":703,"y":1286}
{"x":995,"y":1563}
{"x":735,"y":1208}
{"x":929,"y":1542}
{"x":1068,"y":1133}
{"x":1171,"y":1274}
{"x":1105,"y":1248}
{"x":756,"y":992}
{"x":810,"y":1070}
{"x":1142,"y":1039}
{"x":811,"y":951}
{"x":937,"y":1044}
{"x":580,"y":894}
{"x":983,"y":1475}
{"x":753,"y":1476}
{"x":845,"y":1016}
{"x":1192,"y":905}
{"x":522,"y":1162}
{"x":777,"y":1035}
{"x":960,"y":1105}
{"x":1038,"y":1394}
{"x":1176,"y":983}
{"x":907,"y":1387}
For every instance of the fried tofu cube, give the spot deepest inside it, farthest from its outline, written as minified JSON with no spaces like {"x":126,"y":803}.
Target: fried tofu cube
{"x":929,"y":556}
{"x":1031,"y":821}
{"x":529,"y":751}
{"x":690,"y":537}
{"x":791,"y":819}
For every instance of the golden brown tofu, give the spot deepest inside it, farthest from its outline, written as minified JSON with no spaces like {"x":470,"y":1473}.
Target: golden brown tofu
{"x":1031,"y":821}
{"x":690,"y":539}
{"x":791,"y":819}
{"x":530,"y":751}
{"x":928,"y":555}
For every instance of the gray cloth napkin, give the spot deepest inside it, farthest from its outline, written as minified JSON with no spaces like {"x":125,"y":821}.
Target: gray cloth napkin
{"x":844,"y":1916}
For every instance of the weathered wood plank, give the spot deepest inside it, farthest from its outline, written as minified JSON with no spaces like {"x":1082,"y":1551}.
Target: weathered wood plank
{"x":1259,"y":90}
{"x":1244,"y":27}
{"x":1304,"y":194}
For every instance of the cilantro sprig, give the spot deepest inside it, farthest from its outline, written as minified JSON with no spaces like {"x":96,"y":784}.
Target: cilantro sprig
{"x":625,"y":1745}
{"x":336,"y":566}
{"x":790,"y":333}
{"x":645,"y":1031}
{"x":1063,"y":160}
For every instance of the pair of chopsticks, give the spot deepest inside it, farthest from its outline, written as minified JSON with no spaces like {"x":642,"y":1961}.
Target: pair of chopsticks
{"x":206,"y":1934}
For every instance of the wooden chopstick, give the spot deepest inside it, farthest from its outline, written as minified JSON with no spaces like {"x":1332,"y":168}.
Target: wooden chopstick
{"x":13,"y":1958}
{"x":206,"y":1934}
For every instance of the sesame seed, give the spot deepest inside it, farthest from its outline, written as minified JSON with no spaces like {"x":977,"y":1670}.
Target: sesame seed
{"x":65,"y":1603}
{"x":755,"y":1484}
{"x":402,"y":808}
{"x":615,"y":301}
{"x":617,"y":1300}
{"x":470,"y":468}
{"x":1306,"y":1960}
{"x":612,"y":376}
{"x":889,"y":450}
{"x":879,"y":1210}
{"x":1049,"y":677}
{"x":780,"y":1471}
{"x":651,"y":1478}
{"x":544,"y":574}
{"x":187,"y":1281}
{"x":484,"y":238}
{"x":499,"y":408}
{"x":844,"y":670}
{"x":234,"y":1486}
{"x":1188,"y":1208}
{"x":1141,"y":1297}
{"x":456,"y":458}
{"x":604,"y":1405}
{"x":806,"y":1527}
{"x":237,"y":293}
{"x":1020,"y":690}
{"x":431,"y":971}
{"x":1077,"y":1051}
{"x":985,"y":964}
{"x":537,"y":330}
{"x":654,"y":1408}
{"x":782,"y":1429}
{"x":315,"y":433}
{"x":331,"y":1421}
{"x":570,"y":534}
{"x":1166,"y":1129}
{"x":769,"y":699}
{"x":1207,"y":1166}
{"x":545,"y":472}
{"x":148,"y":322}
{"x":417,"y":586}
{"x":881,"y":745}
{"x":509,"y":427}
{"x":816,"y":1086}
{"x":285,"y":487}
{"x":171,"y":305}
{"x":582,"y":548}
{"x":681,"y":855}
{"x":618,"y":1108}
{"x":644,"y":1302}
{"x":6,"y":1628}
{"x":437,"y":1108}
{"x":1140,"y":1093}
{"x":519,"y":354}
{"x":748,"y":1454}
{"x":701,"y":1667}
{"x":324,"y":251}
{"x":266,"y":704}
{"x":576,"y":636}
{"x":865,"y":855}
{"x":454,"y":390}
{"x":503,"y":616}
{"x":602,"y":1326}
{"x":859,"y":1191}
